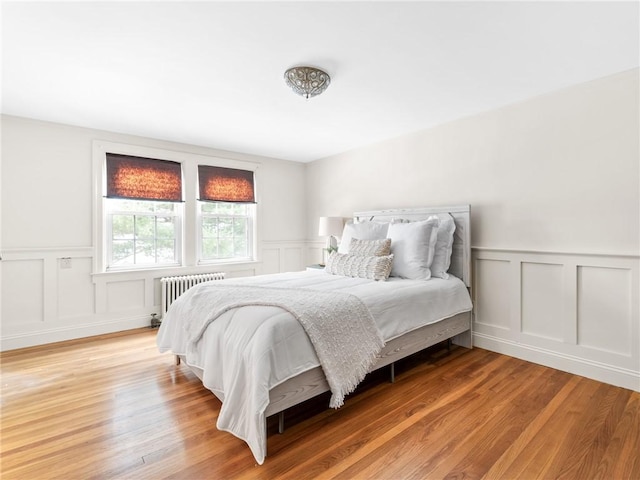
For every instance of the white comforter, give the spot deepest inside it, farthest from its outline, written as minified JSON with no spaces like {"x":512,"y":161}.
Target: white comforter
{"x":249,"y":350}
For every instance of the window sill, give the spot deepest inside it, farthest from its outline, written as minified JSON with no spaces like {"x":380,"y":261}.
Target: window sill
{"x":157,"y":272}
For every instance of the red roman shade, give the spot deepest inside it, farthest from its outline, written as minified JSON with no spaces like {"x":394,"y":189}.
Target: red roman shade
{"x":220,"y":184}
{"x":143,"y":178}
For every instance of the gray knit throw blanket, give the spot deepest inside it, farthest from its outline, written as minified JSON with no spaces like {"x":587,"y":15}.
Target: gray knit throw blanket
{"x":340,"y":327}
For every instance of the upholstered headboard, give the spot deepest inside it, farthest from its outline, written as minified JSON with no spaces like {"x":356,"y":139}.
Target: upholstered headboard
{"x":461,"y":255}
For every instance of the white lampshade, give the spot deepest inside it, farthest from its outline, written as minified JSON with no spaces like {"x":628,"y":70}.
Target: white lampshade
{"x":330,"y":226}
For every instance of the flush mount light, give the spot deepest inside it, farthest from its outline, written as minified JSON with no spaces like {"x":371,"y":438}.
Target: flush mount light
{"x":307,"y":81}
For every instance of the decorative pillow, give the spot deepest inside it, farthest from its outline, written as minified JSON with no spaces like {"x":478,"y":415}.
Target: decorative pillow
{"x":374,"y":268}
{"x":412,"y":245}
{"x":370,"y":248}
{"x":444,"y":247}
{"x":362,"y":231}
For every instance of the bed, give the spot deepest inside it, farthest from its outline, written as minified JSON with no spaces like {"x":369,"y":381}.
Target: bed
{"x":260,"y":358}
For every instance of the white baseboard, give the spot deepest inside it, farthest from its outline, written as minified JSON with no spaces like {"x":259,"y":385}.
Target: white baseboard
{"x":613,"y":375}
{"x":72,"y":332}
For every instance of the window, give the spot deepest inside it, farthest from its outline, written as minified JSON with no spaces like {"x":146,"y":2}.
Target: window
{"x":226,"y":211}
{"x":143,"y":212}
{"x":226,"y":231}
{"x":142,"y":233}
{"x":165,"y":209}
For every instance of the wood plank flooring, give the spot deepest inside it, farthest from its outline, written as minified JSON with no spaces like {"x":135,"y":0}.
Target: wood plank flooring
{"x":113,"y":407}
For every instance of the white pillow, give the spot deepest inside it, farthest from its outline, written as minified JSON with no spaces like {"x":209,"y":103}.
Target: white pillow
{"x":361,"y":231}
{"x":374,"y":268}
{"x":412,"y":246}
{"x":444,"y":246}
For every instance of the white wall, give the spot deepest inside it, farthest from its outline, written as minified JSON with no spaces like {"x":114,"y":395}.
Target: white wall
{"x":47,"y":213}
{"x":553,"y":185}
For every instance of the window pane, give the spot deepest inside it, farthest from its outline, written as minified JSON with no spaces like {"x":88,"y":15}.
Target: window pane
{"x":240,"y":248}
{"x":209,"y":207}
{"x":164,"y":208}
{"x":145,"y":252}
{"x":225,"y":208}
{"x":165,"y":250}
{"x":210,"y":248}
{"x":209,"y":227}
{"x":122,"y":252}
{"x":145,"y":227}
{"x":122,"y":226}
{"x":131,"y":205}
{"x":225,"y":248}
{"x":239,"y":227}
{"x":225,"y":227}
{"x":165,"y":228}
{"x":142,"y":206}
{"x":240,"y":209}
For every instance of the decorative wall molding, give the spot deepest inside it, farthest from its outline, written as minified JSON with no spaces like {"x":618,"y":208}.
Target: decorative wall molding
{"x":52,"y":294}
{"x":572,"y":311}
{"x":519,"y":251}
{"x":622,"y":377}
{"x":286,"y":256}
{"x":61,"y":333}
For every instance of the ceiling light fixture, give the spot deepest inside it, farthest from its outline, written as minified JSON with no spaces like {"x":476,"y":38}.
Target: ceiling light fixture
{"x":307,"y":81}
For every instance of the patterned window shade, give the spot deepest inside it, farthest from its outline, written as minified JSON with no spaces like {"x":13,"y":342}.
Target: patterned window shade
{"x":220,"y":184}
{"x":143,"y":178}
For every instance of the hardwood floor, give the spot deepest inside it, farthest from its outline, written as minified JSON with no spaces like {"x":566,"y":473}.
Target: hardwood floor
{"x":113,"y":407}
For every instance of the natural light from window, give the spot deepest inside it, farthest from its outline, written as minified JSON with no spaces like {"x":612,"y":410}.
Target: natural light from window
{"x":226,"y":231}
{"x":142,"y":233}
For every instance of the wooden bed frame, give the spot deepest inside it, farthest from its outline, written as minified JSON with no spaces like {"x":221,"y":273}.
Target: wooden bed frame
{"x":456,"y":328}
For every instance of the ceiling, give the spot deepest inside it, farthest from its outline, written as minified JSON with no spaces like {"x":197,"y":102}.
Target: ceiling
{"x":211,"y":73}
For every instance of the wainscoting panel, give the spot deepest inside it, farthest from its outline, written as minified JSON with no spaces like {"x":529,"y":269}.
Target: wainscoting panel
{"x":125,"y":295}
{"x":278,"y":257}
{"x":76,"y":292}
{"x":241,"y":273}
{"x":604,"y":309}
{"x":293,"y":260}
{"x":52,"y":294}
{"x":270,"y":260}
{"x":23,"y":275}
{"x":493,"y":310}
{"x":315,"y":252}
{"x":541,"y":300}
{"x":575,"y":312}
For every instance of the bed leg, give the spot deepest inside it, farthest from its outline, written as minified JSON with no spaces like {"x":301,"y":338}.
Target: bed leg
{"x":281,"y":422}
{"x":393,"y":373}
{"x":449,"y":343}
{"x":177,"y":360}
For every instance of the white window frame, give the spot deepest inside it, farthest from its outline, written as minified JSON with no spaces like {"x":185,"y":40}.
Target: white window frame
{"x":178,"y":215}
{"x":191,"y":226}
{"x":250,"y":237}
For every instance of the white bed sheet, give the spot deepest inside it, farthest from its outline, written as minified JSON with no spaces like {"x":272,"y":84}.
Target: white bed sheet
{"x":249,"y":350}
